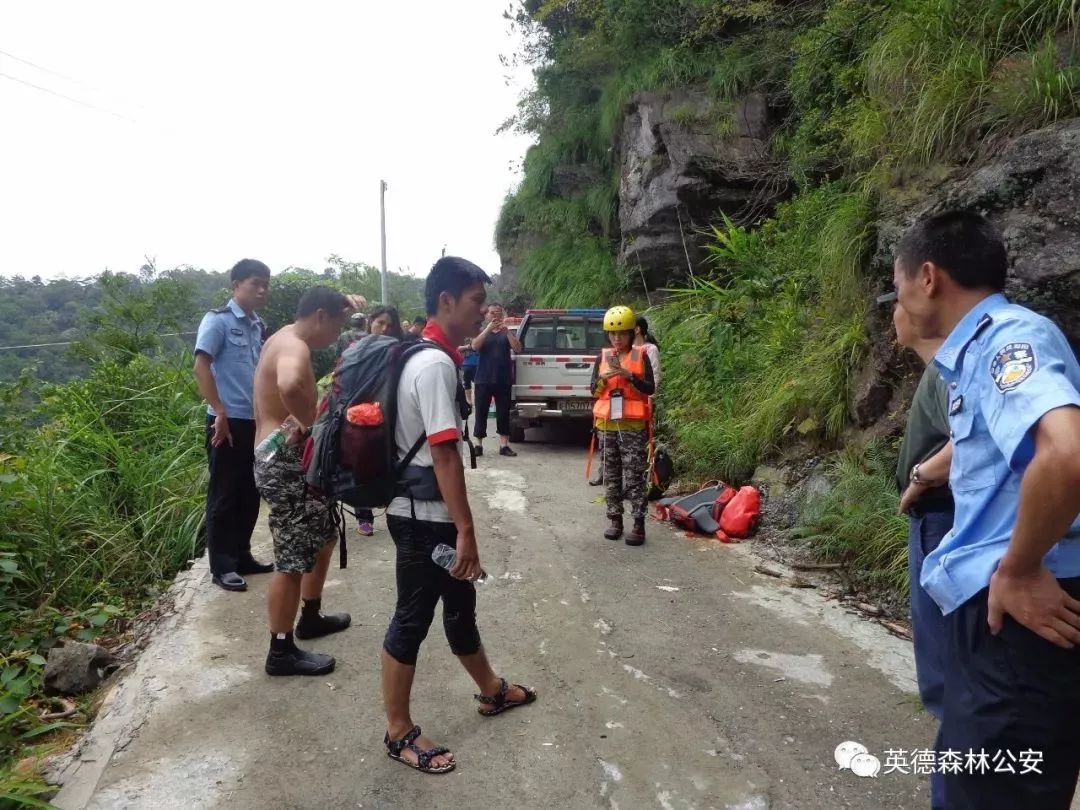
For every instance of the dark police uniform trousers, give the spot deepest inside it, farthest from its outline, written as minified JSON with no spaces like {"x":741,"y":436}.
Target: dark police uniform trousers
{"x":232,"y":502}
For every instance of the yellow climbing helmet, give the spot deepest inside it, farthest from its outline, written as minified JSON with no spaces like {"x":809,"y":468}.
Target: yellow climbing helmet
{"x":619,"y":319}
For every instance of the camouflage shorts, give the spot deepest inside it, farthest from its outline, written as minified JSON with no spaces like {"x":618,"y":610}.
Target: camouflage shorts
{"x":300,"y":523}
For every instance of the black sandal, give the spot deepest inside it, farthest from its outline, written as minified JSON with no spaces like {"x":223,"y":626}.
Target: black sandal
{"x":423,"y":758}
{"x":499,"y":702}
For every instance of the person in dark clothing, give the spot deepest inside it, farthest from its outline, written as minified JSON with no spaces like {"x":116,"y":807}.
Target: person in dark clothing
{"x":468,"y":369}
{"x":357,"y":329}
{"x":494,"y":378}
{"x":922,"y":476}
{"x":226,"y":351}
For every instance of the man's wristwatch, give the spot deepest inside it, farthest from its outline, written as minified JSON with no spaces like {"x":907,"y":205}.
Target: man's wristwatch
{"x":916,"y":477}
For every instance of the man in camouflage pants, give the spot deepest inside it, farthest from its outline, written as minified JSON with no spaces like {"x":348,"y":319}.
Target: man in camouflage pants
{"x":286,"y":406}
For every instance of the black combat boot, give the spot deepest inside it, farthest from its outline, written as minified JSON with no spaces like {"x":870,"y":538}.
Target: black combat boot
{"x":614,"y":531}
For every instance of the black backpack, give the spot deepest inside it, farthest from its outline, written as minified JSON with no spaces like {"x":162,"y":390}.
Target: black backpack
{"x":661,"y":474}
{"x":353,"y":464}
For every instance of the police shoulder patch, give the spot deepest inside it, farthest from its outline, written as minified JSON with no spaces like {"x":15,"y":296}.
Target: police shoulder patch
{"x":1012,"y":365}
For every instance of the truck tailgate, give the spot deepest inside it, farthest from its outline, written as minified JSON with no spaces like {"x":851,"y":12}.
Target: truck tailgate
{"x":545,"y":376}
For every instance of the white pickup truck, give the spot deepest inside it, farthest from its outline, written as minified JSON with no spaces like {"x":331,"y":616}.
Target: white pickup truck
{"x":552,"y":372}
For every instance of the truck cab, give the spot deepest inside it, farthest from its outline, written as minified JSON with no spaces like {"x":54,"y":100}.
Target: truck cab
{"x":552,"y":372}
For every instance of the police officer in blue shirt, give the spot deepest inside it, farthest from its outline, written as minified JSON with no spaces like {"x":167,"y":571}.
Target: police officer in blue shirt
{"x":226,"y":351}
{"x":1007,"y":577}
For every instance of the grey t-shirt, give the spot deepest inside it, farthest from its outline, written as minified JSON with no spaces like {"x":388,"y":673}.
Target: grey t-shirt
{"x":927,"y":431}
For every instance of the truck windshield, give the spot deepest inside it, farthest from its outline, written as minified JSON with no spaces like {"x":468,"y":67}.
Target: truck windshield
{"x":553,"y":333}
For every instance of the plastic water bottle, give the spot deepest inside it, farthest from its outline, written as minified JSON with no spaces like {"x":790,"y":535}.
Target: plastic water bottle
{"x":271,"y":445}
{"x":444,"y":556}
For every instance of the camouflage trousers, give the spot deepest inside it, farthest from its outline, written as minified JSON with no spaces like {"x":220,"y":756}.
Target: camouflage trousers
{"x":626,"y":469}
{"x":300,"y":523}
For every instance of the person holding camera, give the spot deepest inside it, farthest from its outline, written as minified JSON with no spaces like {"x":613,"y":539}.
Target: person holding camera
{"x":494,"y":378}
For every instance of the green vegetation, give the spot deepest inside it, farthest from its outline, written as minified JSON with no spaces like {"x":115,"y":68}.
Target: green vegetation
{"x":857,"y":522}
{"x":102,"y":476}
{"x":119,"y":314}
{"x":873,"y":100}
{"x":99,"y":507}
{"x":762,"y":349}
{"x":761,"y":343}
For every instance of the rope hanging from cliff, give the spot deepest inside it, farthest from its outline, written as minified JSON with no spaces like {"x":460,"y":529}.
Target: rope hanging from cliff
{"x":682,"y":236}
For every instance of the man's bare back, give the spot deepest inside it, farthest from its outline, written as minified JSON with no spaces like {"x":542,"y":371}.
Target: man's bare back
{"x":284,"y":370}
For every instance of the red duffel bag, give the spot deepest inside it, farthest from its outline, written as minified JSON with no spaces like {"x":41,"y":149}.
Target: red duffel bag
{"x":742,"y":513}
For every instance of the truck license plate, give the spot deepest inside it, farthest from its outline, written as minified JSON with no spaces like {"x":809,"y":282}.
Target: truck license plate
{"x":576,"y":405}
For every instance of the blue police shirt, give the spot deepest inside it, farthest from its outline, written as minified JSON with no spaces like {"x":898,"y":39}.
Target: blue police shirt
{"x":1005,"y":367}
{"x":233,"y":341}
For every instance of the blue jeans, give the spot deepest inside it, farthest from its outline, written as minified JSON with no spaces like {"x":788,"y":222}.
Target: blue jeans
{"x":925,"y":530}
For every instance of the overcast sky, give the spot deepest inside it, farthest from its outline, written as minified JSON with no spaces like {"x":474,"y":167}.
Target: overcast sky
{"x":262,"y":129}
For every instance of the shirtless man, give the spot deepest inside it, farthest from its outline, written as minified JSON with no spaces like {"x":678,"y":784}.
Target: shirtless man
{"x":303,"y":529}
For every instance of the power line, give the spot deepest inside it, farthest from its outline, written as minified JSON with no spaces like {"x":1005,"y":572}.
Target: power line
{"x":67,"y":98}
{"x":70,"y":342}
{"x":46,"y":70}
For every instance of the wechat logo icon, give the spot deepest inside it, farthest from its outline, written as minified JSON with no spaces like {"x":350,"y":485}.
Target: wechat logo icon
{"x":853,"y":756}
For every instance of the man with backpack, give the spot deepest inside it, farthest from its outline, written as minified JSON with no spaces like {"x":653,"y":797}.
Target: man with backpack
{"x":301,"y":523}
{"x":432,"y":508}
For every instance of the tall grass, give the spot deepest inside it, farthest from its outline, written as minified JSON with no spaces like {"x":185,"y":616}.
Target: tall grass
{"x":100,"y":505}
{"x":571,"y":272}
{"x":928,"y":81}
{"x":857,"y":521}
{"x":761,"y":351}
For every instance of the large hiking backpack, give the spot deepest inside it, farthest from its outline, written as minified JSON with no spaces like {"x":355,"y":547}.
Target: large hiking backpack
{"x":354,"y":461}
{"x":727,"y":514}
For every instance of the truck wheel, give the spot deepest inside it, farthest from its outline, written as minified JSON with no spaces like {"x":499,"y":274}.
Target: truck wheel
{"x":517,"y":434}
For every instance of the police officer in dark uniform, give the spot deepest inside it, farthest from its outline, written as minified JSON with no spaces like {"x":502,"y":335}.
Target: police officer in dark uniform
{"x":226,"y":351}
{"x":1007,"y":576}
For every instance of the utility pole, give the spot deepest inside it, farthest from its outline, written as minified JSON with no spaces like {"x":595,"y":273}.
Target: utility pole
{"x":382,"y":227}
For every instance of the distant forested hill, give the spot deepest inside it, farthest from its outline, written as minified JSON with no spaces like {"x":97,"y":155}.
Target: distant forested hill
{"x":35,"y":311}
{"x":123,"y":310}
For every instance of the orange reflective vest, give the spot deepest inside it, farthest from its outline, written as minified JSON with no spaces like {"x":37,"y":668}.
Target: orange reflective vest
{"x":635,"y":403}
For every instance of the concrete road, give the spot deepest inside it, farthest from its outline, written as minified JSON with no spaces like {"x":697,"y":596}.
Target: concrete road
{"x":670,"y":676}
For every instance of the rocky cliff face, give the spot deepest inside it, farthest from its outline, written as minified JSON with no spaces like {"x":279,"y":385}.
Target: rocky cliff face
{"x":686,"y":160}
{"x":1030,"y":191}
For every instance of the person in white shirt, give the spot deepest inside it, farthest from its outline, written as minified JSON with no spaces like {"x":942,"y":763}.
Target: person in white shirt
{"x":652,"y":348}
{"x":434,"y":509}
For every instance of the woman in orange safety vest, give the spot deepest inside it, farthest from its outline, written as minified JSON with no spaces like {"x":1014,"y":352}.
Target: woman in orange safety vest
{"x":622,"y":383}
